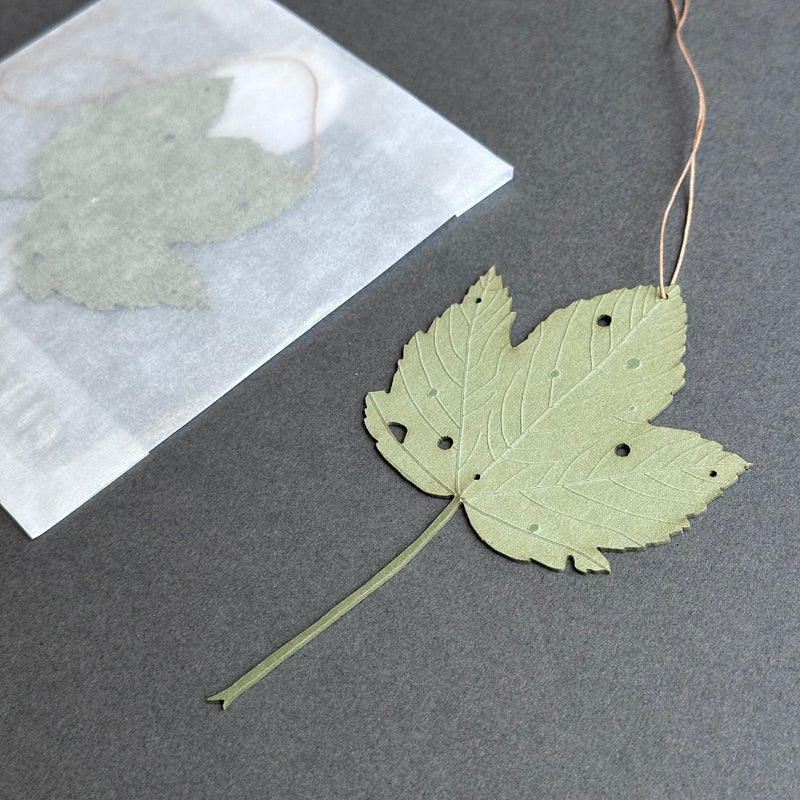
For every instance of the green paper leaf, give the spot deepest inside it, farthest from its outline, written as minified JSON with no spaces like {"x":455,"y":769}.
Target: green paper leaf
{"x":129,"y":178}
{"x":548,"y":445}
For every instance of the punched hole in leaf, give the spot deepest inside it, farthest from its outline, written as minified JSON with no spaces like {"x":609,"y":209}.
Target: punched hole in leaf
{"x":477,"y":476}
{"x":622,"y":450}
{"x":712,"y":474}
{"x":445,"y":443}
{"x":604,"y":320}
{"x":398,"y":431}
{"x":478,"y":299}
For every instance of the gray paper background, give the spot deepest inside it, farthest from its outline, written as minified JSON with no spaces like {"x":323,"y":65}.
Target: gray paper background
{"x":468,"y":676}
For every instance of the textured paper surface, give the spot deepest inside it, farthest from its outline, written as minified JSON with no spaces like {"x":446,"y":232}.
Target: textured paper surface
{"x":548,"y":444}
{"x":93,"y":391}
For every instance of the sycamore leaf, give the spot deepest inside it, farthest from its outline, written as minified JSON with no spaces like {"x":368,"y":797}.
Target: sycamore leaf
{"x":129,"y":178}
{"x":548,"y":445}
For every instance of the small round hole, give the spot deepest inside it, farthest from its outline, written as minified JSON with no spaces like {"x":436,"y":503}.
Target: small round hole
{"x":604,"y":320}
{"x":477,"y":476}
{"x":398,"y":431}
{"x":445,"y":443}
{"x":478,"y":299}
{"x":622,"y":450}
{"x":712,"y":474}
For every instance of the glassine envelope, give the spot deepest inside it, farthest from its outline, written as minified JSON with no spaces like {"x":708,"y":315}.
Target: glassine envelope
{"x":186,"y":186}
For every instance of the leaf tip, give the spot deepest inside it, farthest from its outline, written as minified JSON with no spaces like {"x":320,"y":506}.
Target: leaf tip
{"x":489,"y":278}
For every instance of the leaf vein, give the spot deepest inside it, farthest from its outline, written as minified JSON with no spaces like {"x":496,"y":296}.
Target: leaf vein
{"x":585,"y":521}
{"x":405,"y":450}
{"x":536,"y":535}
{"x":612,"y":507}
{"x":430,"y":385}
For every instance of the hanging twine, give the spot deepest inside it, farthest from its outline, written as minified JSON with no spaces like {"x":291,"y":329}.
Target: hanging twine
{"x":689,"y":167}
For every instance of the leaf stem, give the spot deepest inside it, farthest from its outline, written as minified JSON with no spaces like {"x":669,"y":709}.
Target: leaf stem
{"x":227,"y":696}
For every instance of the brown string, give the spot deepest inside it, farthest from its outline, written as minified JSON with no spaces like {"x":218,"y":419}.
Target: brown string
{"x":689,"y":167}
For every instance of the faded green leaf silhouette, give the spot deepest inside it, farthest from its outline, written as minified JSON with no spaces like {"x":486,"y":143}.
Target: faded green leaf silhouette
{"x":549,"y":445}
{"x":131,"y":177}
